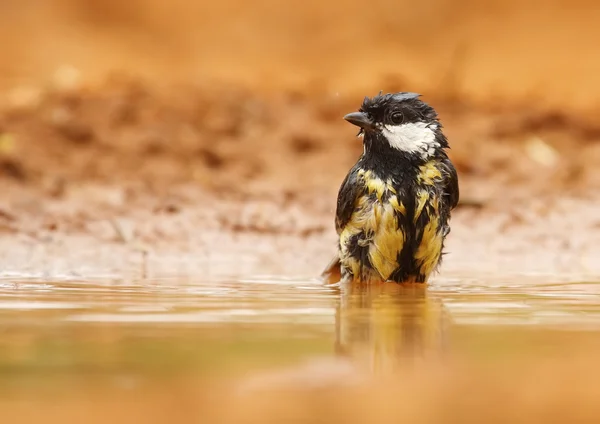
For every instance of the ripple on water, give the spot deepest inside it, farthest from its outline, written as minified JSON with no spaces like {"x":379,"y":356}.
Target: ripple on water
{"x":531,"y":301}
{"x":99,"y":321}
{"x":271,"y":316}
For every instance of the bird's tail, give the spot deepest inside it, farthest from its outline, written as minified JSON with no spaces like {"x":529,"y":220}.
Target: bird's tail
{"x":333,"y":271}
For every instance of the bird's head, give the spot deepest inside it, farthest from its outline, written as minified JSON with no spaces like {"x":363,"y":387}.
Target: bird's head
{"x":399,"y":123}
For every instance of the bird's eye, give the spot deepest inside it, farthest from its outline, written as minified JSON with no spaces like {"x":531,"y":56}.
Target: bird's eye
{"x":397,"y":117}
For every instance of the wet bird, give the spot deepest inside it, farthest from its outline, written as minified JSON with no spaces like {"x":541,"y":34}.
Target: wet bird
{"x":394,"y":206}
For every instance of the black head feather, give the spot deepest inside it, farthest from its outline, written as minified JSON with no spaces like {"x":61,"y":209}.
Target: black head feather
{"x":414,"y":109}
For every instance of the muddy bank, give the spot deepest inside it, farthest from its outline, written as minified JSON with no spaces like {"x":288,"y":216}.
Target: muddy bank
{"x":232,"y":140}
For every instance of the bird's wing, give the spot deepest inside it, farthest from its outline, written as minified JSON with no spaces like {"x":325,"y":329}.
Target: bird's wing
{"x":346,"y":200}
{"x":451,"y":184}
{"x":345,"y":206}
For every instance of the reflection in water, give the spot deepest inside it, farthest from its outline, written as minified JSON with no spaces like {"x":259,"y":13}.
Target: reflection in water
{"x":384,"y":325}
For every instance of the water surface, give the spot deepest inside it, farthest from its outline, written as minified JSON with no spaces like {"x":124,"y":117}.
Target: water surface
{"x":57,"y":332}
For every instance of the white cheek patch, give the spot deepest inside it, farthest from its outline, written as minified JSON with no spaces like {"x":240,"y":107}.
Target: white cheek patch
{"x":416,"y":137}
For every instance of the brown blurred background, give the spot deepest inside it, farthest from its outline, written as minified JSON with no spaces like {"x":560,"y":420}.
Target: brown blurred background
{"x":112,"y":108}
{"x":517,"y":51}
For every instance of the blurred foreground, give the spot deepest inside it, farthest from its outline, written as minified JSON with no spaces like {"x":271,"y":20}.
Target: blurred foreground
{"x":513,"y":391}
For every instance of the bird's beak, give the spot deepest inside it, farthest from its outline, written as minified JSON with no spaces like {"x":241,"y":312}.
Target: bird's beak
{"x":360,"y":120}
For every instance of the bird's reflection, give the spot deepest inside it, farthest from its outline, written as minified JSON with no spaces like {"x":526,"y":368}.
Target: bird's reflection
{"x":387,"y":325}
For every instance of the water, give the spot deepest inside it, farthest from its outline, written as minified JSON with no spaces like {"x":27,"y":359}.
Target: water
{"x":55,"y":332}
{"x":181,"y":350}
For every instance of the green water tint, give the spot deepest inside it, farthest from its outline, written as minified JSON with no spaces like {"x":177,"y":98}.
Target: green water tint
{"x":89,"y":329}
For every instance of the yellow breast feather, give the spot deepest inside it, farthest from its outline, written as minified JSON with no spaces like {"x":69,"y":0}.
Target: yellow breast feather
{"x":430,"y":248}
{"x":387,"y":242}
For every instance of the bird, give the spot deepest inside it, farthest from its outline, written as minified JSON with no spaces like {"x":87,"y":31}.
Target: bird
{"x":394,"y":205}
